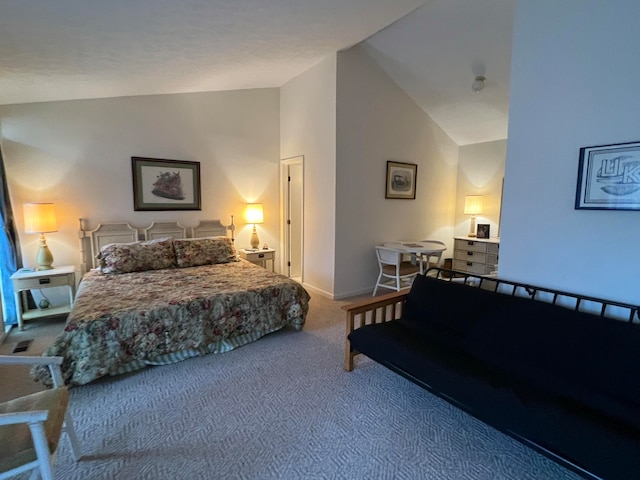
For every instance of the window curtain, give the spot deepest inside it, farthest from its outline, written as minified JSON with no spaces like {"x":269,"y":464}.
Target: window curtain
{"x":10,"y":259}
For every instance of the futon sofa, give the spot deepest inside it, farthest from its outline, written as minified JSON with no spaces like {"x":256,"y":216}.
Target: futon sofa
{"x":526,"y":360}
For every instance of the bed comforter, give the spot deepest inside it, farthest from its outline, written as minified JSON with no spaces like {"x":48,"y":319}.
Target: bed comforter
{"x":121,"y":323}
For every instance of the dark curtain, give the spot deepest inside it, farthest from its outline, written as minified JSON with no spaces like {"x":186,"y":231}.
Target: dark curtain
{"x":11,"y":259}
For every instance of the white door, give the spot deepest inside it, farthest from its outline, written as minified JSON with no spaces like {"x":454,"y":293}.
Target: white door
{"x":293,"y":216}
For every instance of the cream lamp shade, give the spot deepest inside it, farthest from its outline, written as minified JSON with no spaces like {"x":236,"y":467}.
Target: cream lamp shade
{"x":254,"y":213}
{"x":41,"y":218}
{"x":473,"y":207}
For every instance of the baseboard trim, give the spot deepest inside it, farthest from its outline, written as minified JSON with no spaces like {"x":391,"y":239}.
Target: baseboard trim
{"x":313,"y":289}
{"x":355,"y":293}
{"x":332,"y":296}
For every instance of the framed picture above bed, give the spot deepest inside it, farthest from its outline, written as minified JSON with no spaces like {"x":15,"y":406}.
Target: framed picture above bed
{"x":160,"y":184}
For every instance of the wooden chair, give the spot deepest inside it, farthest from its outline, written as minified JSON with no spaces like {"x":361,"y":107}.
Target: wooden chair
{"x":393,"y":271}
{"x":31,"y":426}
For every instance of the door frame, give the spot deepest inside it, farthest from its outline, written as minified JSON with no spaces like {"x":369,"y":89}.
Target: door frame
{"x":284,"y":202}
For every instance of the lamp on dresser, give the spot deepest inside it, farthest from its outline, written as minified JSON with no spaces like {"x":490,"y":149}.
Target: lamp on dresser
{"x":473,"y":207}
{"x":41,"y":218}
{"x":254,"y":214}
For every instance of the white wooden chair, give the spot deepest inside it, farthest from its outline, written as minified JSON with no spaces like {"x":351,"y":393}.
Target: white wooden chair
{"x":31,"y":426}
{"x":426,"y":261}
{"x":395,"y":274}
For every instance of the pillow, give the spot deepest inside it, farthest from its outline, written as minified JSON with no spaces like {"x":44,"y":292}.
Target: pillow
{"x":204,"y":251}
{"x":137,"y":256}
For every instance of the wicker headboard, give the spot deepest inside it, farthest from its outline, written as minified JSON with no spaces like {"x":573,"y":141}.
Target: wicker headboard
{"x":92,"y":240}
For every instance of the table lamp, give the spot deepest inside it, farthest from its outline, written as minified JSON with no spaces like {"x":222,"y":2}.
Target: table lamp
{"x":254,"y":214}
{"x":41,"y":218}
{"x":473,"y":207}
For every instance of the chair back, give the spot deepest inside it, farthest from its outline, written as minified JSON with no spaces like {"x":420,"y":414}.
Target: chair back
{"x":387,"y":256}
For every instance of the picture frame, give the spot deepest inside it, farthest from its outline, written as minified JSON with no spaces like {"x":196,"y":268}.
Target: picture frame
{"x":401,"y":180}
{"x":609,"y":177}
{"x":483,"y":230}
{"x":161,"y":184}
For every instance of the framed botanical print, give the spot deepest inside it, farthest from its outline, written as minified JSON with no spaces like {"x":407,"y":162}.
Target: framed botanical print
{"x":160,"y":184}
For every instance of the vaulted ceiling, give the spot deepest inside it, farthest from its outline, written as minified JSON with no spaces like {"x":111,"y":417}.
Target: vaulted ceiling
{"x":433,"y":49}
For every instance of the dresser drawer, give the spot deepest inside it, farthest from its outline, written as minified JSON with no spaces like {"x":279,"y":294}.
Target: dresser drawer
{"x":470,"y":246}
{"x":470,"y":256}
{"x":470,"y":267}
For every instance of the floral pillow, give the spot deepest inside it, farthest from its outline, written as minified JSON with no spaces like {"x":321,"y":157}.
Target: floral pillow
{"x":137,"y":256}
{"x":204,"y":251}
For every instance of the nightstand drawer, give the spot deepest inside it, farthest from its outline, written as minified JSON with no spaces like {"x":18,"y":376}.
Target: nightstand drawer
{"x":41,"y":281}
{"x":258,"y":256}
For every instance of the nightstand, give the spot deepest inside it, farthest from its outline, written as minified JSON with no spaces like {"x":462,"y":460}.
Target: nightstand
{"x":37,"y":280}
{"x":260,"y":256}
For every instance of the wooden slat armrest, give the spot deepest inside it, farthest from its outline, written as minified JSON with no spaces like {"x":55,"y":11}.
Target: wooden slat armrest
{"x":375,"y":302}
{"x":377,"y":310}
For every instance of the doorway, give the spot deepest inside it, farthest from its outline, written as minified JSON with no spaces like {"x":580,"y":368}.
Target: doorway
{"x":292,"y":216}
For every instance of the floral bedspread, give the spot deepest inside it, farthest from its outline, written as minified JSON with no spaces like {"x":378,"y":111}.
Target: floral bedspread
{"x":123,"y":322}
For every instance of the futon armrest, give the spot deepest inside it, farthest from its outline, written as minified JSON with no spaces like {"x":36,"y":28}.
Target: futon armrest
{"x":375,"y":310}
{"x":52,"y":362}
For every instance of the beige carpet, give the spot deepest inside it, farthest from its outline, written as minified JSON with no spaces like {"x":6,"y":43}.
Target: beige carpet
{"x":284,"y":408}
{"x":16,"y":382}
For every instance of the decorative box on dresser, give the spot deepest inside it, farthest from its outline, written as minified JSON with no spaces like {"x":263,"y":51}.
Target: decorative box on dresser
{"x":476,"y":255}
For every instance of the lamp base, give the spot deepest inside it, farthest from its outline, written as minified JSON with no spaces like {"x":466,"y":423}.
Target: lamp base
{"x":45,"y":257}
{"x":255,"y":241}
{"x":472,"y":227}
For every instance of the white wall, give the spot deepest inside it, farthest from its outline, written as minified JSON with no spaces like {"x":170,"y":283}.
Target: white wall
{"x":78,"y":155}
{"x":308,"y":127}
{"x":480,"y":172}
{"x":376,"y":122}
{"x":574,"y":83}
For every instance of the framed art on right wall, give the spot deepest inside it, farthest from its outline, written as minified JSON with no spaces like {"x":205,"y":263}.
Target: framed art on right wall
{"x":609,"y":177}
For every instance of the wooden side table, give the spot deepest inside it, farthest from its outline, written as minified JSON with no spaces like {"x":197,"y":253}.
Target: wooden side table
{"x":35,"y":280}
{"x":260,"y":256}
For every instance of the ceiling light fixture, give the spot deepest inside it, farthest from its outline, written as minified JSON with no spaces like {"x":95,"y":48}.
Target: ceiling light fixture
{"x":478,"y":84}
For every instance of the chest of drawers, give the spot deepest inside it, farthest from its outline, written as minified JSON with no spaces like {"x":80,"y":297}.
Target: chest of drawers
{"x":478,"y":256}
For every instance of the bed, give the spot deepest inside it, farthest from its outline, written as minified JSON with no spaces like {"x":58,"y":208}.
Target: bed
{"x":186,"y":305}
